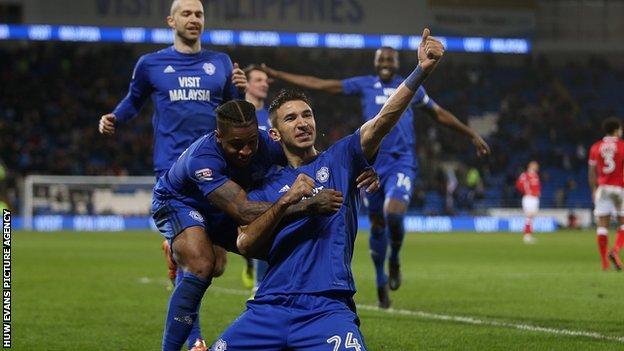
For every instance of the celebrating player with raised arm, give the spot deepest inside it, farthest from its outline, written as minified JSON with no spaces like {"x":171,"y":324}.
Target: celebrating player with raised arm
{"x":606,"y":181}
{"x":396,"y":164}
{"x":186,"y":83}
{"x":200,"y":201}
{"x":305,"y":300}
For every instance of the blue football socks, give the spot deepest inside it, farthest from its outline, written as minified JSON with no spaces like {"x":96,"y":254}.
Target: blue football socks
{"x":378,"y":243}
{"x":183,"y":310}
{"x":397,"y":234}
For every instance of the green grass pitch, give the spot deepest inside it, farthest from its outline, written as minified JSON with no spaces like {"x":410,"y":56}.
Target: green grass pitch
{"x":107,"y":291}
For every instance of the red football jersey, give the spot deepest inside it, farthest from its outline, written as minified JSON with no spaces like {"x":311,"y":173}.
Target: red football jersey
{"x":529,"y":184}
{"x":608,"y":157}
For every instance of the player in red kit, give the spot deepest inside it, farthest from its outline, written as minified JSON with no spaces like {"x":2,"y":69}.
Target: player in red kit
{"x":606,"y":180}
{"x":529,"y":185}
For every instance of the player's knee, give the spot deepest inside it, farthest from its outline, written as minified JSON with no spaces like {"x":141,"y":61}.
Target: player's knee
{"x":200,"y":262}
{"x":220,"y":263}
{"x":203,"y":267}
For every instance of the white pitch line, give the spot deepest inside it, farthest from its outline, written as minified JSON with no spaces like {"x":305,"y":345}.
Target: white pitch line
{"x":437,"y":316}
{"x":460,"y":319}
{"x":474,"y":321}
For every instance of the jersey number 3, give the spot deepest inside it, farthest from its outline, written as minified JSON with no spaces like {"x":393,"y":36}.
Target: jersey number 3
{"x":609,"y":162}
{"x":350,"y":342}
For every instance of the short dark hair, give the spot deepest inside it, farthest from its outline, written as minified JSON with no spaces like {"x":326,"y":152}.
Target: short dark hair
{"x":283,"y":97}
{"x":610,"y":125}
{"x":251,"y":68}
{"x":236,"y":113}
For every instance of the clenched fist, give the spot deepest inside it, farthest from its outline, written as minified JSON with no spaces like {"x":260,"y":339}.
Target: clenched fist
{"x":107,"y":124}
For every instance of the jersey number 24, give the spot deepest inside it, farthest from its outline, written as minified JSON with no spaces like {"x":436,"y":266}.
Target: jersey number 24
{"x":350,"y":342}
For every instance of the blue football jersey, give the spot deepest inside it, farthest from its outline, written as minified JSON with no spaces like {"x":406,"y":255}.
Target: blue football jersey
{"x":373,"y":95}
{"x":313,"y":254}
{"x":263,"y":118}
{"x":202,"y":168}
{"x":185,"y":90}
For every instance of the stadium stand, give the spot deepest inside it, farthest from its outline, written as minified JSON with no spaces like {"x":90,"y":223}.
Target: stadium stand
{"x":529,"y":110}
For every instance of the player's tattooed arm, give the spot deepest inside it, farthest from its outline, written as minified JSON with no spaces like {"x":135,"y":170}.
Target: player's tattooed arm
{"x":430,"y":52}
{"x":310,"y":82}
{"x":254,"y":239}
{"x":232,"y":199}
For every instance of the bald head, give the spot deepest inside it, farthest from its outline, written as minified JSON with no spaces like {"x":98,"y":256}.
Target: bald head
{"x":175,"y":5}
{"x":187,"y":21}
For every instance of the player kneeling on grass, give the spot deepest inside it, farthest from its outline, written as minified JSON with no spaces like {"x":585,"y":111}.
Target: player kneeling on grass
{"x":606,"y":181}
{"x":200,"y":202}
{"x":305,"y":300}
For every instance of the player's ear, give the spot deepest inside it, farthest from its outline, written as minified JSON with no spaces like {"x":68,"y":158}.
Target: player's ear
{"x":274,"y":134}
{"x":218,"y":135}
{"x":171,"y":22}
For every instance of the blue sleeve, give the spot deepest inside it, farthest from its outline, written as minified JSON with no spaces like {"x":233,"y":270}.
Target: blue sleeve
{"x":207,"y":171}
{"x":353,"y":86}
{"x":422,"y":100}
{"x":230,"y":92}
{"x":348,"y":153}
{"x":140,"y":88}
{"x":256,"y":195}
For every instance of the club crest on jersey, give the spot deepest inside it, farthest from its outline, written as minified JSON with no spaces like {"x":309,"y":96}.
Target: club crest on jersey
{"x":198,"y":217}
{"x":204,"y":174}
{"x":322,"y":174}
{"x":220,"y":345}
{"x":209,"y":68}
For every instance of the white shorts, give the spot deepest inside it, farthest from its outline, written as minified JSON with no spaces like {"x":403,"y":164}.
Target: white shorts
{"x":530,"y":205}
{"x":609,"y":199}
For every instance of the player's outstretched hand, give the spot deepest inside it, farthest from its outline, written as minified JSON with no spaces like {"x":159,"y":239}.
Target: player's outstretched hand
{"x":107,"y":124}
{"x":303,"y":186}
{"x":327,"y":201}
{"x":239,"y":79}
{"x":430,"y":51}
{"x":483,"y":149}
{"x":368,"y":179}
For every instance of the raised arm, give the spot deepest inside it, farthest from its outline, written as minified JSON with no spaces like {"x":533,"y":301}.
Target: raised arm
{"x":254,"y":239}
{"x":333,"y":86}
{"x":372,"y":132}
{"x":448,"y":119}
